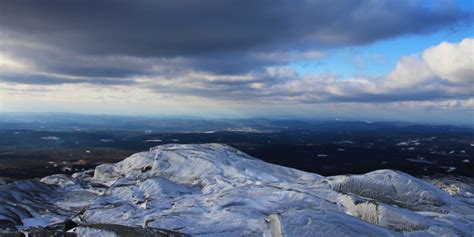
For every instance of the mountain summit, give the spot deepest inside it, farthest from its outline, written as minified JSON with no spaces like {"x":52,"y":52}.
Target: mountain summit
{"x":216,"y":190}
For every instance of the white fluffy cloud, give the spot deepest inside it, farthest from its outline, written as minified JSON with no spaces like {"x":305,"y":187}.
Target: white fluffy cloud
{"x":446,"y":62}
{"x":410,"y":71}
{"x":452,"y":62}
{"x":439,"y":73}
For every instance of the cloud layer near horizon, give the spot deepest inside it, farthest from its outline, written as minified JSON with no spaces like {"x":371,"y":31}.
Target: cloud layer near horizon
{"x":231,"y":50}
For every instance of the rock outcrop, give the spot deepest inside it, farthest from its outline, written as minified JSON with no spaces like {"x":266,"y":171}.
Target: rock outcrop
{"x":216,"y":190}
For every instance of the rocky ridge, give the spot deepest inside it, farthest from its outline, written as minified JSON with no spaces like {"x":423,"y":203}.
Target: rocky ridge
{"x":216,"y":190}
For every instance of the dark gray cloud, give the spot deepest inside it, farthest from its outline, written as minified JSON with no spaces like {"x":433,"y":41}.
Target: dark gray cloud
{"x":169,"y":28}
{"x":38,"y":79}
{"x":219,"y":49}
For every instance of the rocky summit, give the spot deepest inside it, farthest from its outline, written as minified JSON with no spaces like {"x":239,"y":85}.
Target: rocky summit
{"x":216,"y":190}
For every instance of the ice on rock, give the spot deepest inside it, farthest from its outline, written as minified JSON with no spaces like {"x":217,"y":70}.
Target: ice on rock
{"x":210,"y":164}
{"x":321,"y":223}
{"x":5,"y":180}
{"x":216,"y":190}
{"x":23,"y":202}
{"x":60,"y":180}
{"x":400,"y":189}
{"x":384,"y":215}
{"x":156,"y":187}
{"x":108,"y":230}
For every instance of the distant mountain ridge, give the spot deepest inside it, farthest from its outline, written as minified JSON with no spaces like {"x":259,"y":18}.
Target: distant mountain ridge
{"x":81,"y":122}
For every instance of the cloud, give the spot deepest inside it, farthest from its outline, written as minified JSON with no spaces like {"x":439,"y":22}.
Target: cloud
{"x":410,"y":71}
{"x":180,"y":27}
{"x":232,"y":50}
{"x":441,"y":72}
{"x":48,"y":79}
{"x":412,"y":79}
{"x":452,"y":62}
{"x":78,"y":37}
{"x":10,"y":64}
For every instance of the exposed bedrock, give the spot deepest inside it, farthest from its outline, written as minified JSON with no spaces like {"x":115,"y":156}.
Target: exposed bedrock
{"x":216,"y":190}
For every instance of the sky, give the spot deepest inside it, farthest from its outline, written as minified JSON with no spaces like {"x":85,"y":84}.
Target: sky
{"x":410,"y":60}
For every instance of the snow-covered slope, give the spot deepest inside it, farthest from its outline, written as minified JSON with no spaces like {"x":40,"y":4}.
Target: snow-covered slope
{"x":216,"y":190}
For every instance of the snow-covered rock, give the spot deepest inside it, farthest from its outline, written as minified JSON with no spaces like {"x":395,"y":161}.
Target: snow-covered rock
{"x":397,"y":188}
{"x":5,"y":180}
{"x":216,"y":190}
{"x":110,"y":230}
{"x":310,"y":222}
